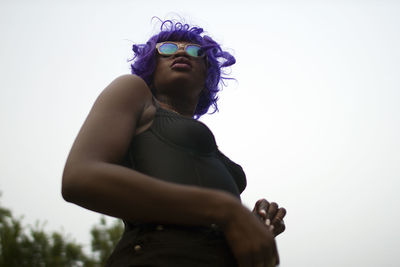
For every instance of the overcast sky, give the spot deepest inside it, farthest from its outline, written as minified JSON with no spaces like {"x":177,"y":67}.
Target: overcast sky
{"x":313,"y":116}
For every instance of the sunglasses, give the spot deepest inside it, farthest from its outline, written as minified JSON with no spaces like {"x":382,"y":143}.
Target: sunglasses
{"x":171,"y":48}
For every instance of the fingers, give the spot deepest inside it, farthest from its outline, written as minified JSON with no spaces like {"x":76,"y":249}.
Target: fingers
{"x":251,"y":244}
{"x":276,"y":215}
{"x":261,"y":208}
{"x":272,"y":210}
{"x":279,"y":229}
{"x":278,"y":223}
{"x":280,"y":214}
{"x":271,"y":215}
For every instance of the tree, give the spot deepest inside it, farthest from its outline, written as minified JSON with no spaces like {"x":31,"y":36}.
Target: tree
{"x":33,"y":247}
{"x":105,"y":238}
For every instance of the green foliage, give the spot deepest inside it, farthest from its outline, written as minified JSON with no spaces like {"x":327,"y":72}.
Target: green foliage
{"x":105,"y":238}
{"x":27,"y":246}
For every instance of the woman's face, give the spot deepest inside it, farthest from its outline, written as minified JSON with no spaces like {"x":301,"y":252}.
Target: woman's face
{"x":180,"y":72}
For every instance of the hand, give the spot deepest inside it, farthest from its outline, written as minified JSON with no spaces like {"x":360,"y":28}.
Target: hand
{"x":270,"y":215}
{"x":251,"y":245}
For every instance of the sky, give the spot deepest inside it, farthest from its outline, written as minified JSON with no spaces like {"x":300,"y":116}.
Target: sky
{"x":312,"y":117}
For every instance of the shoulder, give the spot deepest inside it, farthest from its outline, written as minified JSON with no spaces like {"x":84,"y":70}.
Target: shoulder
{"x":114,"y":118}
{"x":129,"y":85}
{"x":128,"y":92}
{"x":130,"y":80}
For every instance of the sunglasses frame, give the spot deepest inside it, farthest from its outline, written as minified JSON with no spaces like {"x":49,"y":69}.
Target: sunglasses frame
{"x":179,"y":45}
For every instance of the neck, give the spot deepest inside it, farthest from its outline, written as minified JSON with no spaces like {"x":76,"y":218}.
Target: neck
{"x":184,"y":107}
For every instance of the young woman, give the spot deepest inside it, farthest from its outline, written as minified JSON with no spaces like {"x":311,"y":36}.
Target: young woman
{"x":142,"y":156}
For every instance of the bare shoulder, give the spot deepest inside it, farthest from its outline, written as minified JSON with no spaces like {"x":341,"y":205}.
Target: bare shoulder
{"x":129,"y":80}
{"x":114,"y":119}
{"x":130,"y":89}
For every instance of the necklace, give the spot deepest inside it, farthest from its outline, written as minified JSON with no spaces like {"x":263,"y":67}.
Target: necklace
{"x":169,"y":108}
{"x":176,"y":112}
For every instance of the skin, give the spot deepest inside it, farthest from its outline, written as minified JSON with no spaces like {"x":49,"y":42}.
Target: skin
{"x":177,"y":88}
{"x":271,"y":216}
{"x":94,"y":179}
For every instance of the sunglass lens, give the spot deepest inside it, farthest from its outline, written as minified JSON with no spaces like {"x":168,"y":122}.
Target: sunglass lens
{"x":168,"y":48}
{"x":194,"y":50}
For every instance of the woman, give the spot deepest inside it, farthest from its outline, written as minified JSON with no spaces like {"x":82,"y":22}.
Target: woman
{"x":140,"y":156}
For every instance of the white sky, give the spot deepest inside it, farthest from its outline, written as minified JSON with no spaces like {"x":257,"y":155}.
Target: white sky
{"x":313,"y":117}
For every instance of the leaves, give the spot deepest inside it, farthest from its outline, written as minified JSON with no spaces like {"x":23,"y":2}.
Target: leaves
{"x":105,"y":238}
{"x":33,"y":247}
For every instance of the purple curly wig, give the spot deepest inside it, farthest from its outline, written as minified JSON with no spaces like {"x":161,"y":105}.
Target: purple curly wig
{"x":144,"y":60}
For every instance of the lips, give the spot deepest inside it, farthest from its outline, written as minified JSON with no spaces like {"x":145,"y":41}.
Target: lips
{"x":181,"y":63}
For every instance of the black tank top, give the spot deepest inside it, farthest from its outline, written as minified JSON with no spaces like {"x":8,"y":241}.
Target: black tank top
{"x":180,"y":150}
{"x":183,"y":150}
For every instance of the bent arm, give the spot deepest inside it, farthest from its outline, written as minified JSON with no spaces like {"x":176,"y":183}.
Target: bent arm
{"x":94,"y":179}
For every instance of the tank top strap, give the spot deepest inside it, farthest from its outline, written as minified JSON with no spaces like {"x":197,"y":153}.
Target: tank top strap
{"x":156,"y":103}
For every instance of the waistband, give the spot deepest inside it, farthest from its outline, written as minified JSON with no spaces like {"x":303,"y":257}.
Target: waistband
{"x":213,"y":228}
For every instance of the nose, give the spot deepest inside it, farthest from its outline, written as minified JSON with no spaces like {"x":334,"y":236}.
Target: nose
{"x":181,"y":51}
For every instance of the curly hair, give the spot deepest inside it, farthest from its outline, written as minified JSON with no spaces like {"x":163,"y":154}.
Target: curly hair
{"x":144,"y":60}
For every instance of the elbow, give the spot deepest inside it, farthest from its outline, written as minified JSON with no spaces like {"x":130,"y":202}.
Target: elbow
{"x":80,"y":181}
{"x":72,"y":185}
{"x":67,"y":188}
{"x":67,"y":191}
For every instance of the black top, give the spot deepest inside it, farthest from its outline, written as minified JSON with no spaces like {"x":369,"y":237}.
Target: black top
{"x":182,"y":150}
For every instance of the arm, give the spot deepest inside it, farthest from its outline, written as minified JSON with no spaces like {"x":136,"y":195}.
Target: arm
{"x":94,"y":179}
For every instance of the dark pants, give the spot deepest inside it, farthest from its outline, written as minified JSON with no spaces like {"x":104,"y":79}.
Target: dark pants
{"x":165,"y":246}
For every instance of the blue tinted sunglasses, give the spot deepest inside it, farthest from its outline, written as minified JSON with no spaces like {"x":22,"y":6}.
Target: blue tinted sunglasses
{"x":171,"y":48}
